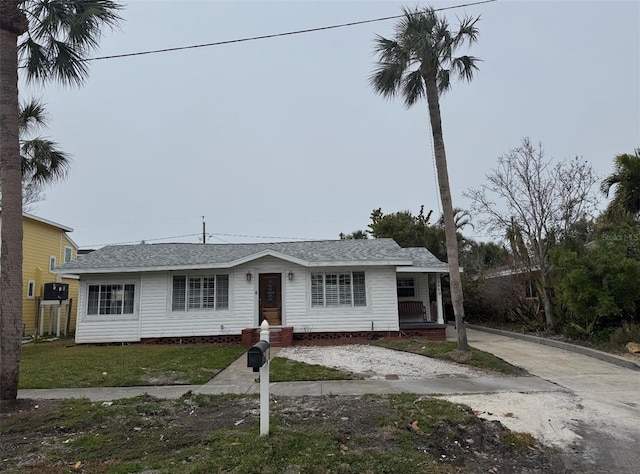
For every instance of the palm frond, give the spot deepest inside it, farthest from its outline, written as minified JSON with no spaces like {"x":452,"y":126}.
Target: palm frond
{"x":443,"y":80}
{"x":468,"y":31}
{"x":34,"y":58}
{"x":31,"y":116}
{"x":465,"y":66}
{"x":61,"y":34}
{"x":413,"y":87}
{"x":626,"y":179}
{"x":389,"y":51}
{"x":68,"y":66}
{"x":386,"y":79}
{"x":43,"y":162}
{"x":608,"y":183}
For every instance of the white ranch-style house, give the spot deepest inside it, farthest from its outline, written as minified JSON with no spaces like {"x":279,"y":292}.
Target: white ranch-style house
{"x":222,"y":292}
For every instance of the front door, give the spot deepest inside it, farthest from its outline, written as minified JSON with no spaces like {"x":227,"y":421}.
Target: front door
{"x":270,"y":295}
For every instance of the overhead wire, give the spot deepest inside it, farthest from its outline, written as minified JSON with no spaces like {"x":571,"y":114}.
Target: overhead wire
{"x":247,"y":39}
{"x":274,"y":35}
{"x":199,"y":235}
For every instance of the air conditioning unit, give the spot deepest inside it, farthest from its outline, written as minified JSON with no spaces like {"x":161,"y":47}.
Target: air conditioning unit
{"x":56,"y":291}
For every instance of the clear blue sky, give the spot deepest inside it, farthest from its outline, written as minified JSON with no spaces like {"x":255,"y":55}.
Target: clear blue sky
{"x":284,"y":137}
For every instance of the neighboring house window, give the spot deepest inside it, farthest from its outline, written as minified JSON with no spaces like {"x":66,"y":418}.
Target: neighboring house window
{"x":68,"y":254}
{"x":111,"y":299}
{"x":338,"y":289}
{"x":530,"y":290}
{"x":52,"y":263}
{"x":406,"y":287}
{"x":31,"y":289}
{"x":191,"y":293}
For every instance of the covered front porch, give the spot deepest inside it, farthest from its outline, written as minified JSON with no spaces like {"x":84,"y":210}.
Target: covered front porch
{"x":419,"y":299}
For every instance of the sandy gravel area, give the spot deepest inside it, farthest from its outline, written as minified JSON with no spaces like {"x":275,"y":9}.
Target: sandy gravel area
{"x":378,"y":363}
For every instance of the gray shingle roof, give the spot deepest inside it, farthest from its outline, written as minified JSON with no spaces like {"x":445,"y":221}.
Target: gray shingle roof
{"x":422,"y":258}
{"x":148,"y":257}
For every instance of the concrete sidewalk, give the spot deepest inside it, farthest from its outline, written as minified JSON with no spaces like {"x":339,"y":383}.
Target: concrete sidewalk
{"x":237,"y":378}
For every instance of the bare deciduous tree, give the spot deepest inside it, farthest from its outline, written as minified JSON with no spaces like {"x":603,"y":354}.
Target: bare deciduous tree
{"x":541,"y":200}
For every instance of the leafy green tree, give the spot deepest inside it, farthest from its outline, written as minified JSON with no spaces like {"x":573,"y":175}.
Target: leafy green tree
{"x":600,"y":280}
{"x":50,"y":39}
{"x":403,"y":227}
{"x":625,"y":180}
{"x":419,"y":63}
{"x":355,"y":235}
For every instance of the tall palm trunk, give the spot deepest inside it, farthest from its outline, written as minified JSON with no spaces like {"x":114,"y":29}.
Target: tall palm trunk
{"x":447,"y":209}
{"x":12,"y":24}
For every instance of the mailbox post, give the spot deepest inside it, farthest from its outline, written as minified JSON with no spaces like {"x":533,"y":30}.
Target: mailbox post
{"x":258,"y":359}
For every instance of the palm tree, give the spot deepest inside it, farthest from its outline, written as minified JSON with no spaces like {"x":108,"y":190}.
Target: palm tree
{"x":42,"y":162}
{"x":417,"y":63}
{"x":461,"y":218}
{"x":50,"y":39}
{"x":625,"y":204}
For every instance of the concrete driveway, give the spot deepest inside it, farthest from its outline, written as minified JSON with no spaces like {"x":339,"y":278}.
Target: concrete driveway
{"x":602,"y":409}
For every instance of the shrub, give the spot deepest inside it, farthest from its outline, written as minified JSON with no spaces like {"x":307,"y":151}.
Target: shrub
{"x":623,"y":335}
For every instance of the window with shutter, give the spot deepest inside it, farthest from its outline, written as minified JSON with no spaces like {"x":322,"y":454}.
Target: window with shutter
{"x":338,"y":289}
{"x":193,"y":293}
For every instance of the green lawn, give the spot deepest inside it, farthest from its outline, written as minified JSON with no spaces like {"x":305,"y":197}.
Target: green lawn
{"x":62,"y":364}
{"x":449,"y":351}
{"x":285,"y":370}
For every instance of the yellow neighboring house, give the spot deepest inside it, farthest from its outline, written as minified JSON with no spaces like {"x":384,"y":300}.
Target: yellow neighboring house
{"x":46,"y":245}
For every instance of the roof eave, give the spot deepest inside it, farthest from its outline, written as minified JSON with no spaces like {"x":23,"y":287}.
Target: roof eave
{"x":236,"y":263}
{"x":422,"y":269}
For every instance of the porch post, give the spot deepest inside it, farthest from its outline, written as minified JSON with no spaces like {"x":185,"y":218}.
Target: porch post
{"x":429,"y":315}
{"x":439,"y":299}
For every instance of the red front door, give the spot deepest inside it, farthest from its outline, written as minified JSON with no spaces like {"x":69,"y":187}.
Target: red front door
{"x":270,"y":294}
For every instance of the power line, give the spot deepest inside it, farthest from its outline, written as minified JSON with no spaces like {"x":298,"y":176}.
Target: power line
{"x":209,"y":234}
{"x":142,"y":240}
{"x":262,"y":236}
{"x":274,"y":35}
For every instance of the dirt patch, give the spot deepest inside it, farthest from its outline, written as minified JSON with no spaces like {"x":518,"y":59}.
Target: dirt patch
{"x":164,"y":378}
{"x":65,"y":436}
{"x":460,"y":356}
{"x":630,"y":355}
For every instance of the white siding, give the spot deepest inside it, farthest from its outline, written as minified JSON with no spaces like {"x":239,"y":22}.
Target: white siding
{"x":158,"y":319}
{"x":381,"y":310}
{"x":293,"y":291}
{"x":107,"y":328}
{"x":154,"y":317}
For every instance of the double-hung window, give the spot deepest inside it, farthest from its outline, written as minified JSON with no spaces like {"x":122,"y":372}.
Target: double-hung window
{"x":200,"y":292}
{"x":406,"y":287}
{"x":111,"y":299}
{"x":338,"y":289}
